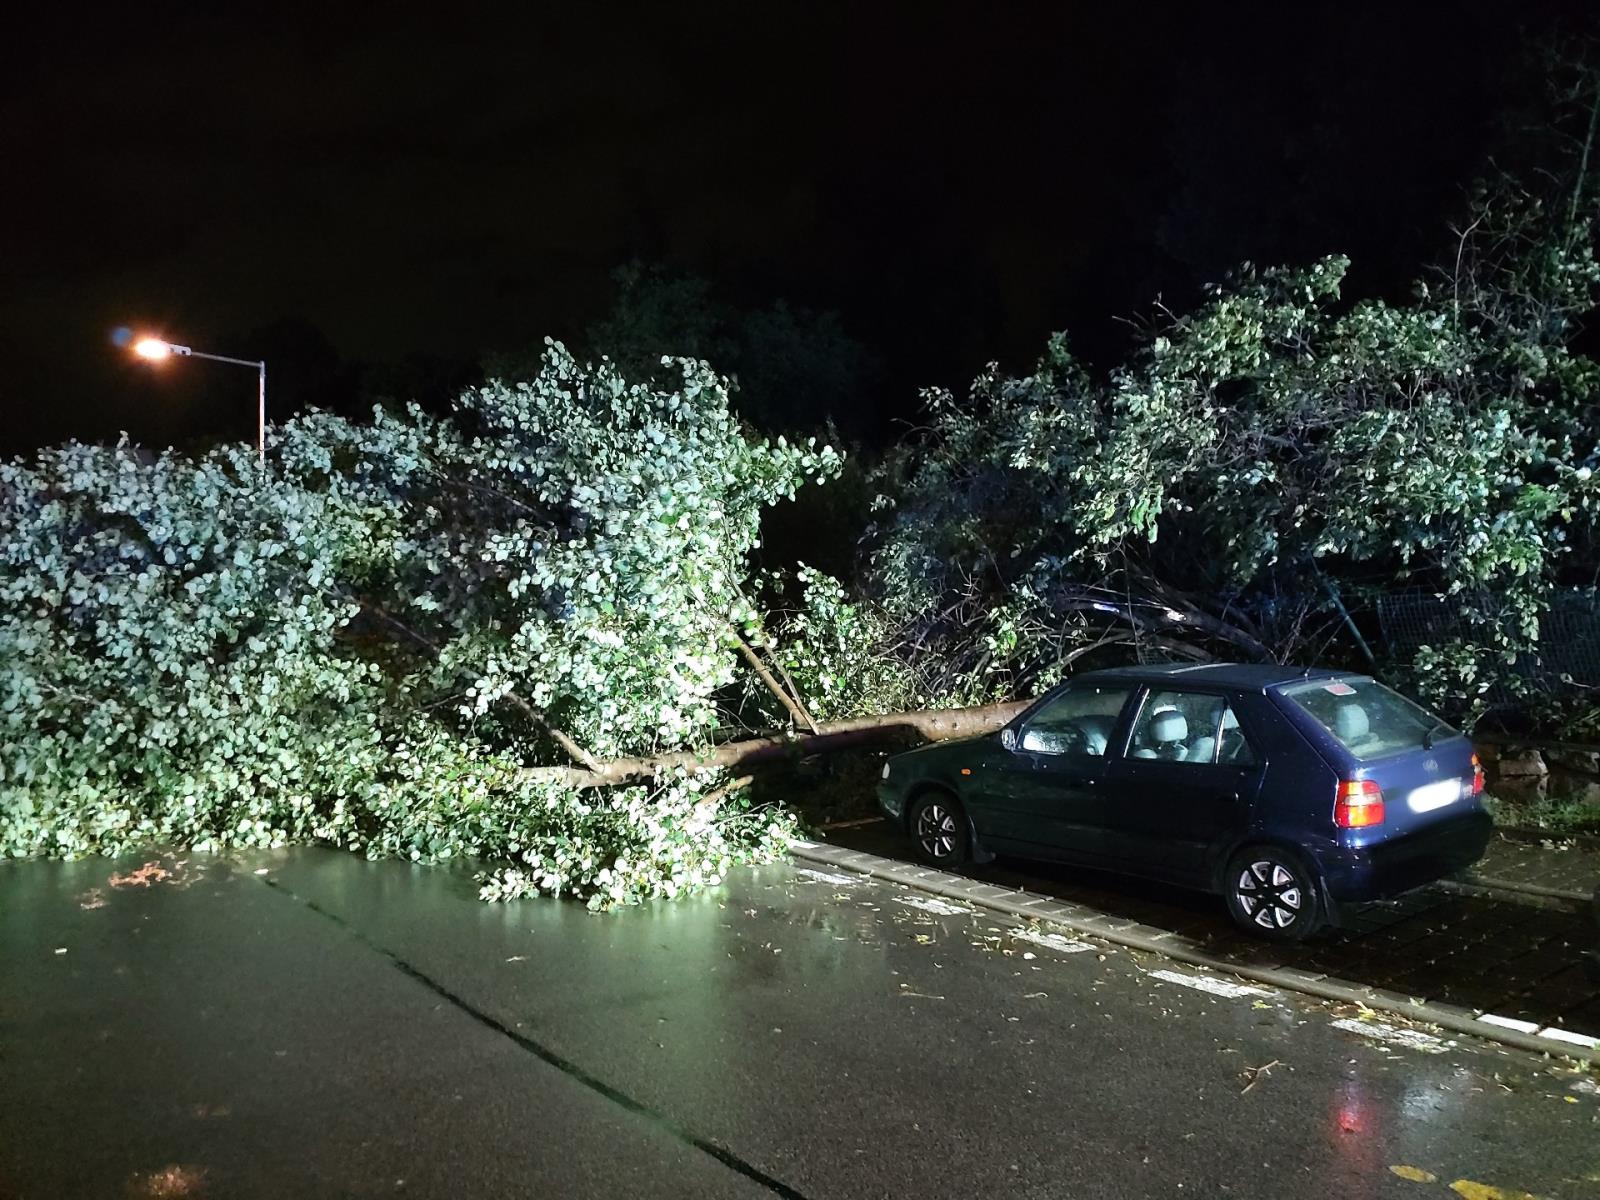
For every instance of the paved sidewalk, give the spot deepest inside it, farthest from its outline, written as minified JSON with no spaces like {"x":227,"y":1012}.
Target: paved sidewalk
{"x":1552,"y":864}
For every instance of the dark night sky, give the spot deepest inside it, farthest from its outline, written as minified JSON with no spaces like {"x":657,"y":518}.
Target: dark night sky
{"x":956,"y":182}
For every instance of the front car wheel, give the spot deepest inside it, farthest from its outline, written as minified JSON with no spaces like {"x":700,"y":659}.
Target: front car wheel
{"x":939,"y":830}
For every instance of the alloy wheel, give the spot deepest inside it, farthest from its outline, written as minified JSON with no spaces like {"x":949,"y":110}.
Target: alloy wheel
{"x":936,"y":831}
{"x":1270,"y":894}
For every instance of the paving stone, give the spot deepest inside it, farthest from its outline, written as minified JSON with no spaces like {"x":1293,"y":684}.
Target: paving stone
{"x":1460,"y":1012}
{"x":1539,"y":963}
{"x":1562,"y":991}
{"x":1584,"y":1016}
{"x":1062,"y":912}
{"x":1340,"y":989}
{"x":1570,"y":868}
{"x":1403,"y":933}
{"x":1299,"y":975}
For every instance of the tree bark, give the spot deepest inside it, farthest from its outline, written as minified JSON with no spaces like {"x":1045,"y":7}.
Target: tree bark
{"x":792,"y":703}
{"x":933,"y":725}
{"x":574,"y":751}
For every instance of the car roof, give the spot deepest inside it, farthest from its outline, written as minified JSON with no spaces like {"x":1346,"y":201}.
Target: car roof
{"x":1254,"y":677}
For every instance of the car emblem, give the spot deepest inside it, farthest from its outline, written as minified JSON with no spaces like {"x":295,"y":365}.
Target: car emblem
{"x":1430,"y":764}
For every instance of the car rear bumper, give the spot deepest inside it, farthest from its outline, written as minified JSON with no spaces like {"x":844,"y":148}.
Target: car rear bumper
{"x":1392,"y":867}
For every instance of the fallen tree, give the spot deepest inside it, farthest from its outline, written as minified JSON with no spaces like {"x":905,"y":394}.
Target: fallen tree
{"x":366,"y":640}
{"x":1265,"y":464}
{"x":516,"y":632}
{"x":508,"y":635}
{"x":930,"y":726}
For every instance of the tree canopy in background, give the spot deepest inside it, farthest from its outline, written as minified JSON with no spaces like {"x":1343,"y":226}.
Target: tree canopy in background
{"x":1264,"y":463}
{"x":793,"y":369}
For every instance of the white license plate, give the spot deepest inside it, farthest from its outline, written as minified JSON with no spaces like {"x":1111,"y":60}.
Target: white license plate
{"x":1434,"y":795}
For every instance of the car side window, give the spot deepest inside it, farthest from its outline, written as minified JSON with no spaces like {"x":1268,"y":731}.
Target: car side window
{"x":1078,"y":721}
{"x":1191,"y":727}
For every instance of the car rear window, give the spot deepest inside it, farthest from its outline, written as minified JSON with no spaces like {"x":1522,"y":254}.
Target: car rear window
{"x":1368,"y":719}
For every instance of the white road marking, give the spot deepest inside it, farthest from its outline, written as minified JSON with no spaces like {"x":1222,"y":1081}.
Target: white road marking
{"x":830,"y":877}
{"x":1210,"y":983}
{"x":1510,"y":1023}
{"x":1412,"y":1039}
{"x":1566,"y":1035}
{"x":933,"y":904}
{"x":1058,"y":942}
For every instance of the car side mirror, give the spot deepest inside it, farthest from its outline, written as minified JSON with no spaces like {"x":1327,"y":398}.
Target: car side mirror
{"x":1008,"y":738}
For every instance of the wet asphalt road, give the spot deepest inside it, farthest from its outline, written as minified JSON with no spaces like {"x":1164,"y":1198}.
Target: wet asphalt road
{"x":342,"y":1028}
{"x":1518,"y":956}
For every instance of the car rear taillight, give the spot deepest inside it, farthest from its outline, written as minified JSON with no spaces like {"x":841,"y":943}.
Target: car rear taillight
{"x":1358,"y":803}
{"x":1477,"y":776}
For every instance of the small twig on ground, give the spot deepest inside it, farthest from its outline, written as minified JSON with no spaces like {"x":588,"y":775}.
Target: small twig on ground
{"x":1254,"y":1075}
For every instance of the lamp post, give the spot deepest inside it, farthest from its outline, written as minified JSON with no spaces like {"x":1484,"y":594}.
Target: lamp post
{"x":155,"y":349}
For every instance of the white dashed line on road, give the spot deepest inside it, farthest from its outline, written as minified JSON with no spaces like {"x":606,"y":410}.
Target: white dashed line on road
{"x":933,"y":904}
{"x":1412,"y":1039}
{"x":1211,"y":984}
{"x":1510,"y":1023}
{"x":829,"y":877}
{"x":1571,"y":1038}
{"x":1058,"y":942}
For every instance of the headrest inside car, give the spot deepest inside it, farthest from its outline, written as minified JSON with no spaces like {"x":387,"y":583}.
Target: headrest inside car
{"x":1350,"y":722}
{"x":1169,"y":725}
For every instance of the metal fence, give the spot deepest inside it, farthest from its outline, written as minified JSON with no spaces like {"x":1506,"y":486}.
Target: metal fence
{"x":1568,"y":651}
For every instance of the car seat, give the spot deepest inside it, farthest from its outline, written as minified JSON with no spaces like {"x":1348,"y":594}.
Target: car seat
{"x":1096,"y":733}
{"x":1168,"y":732}
{"x":1350,"y":724}
{"x":1080,"y":735}
{"x":1204,"y":749}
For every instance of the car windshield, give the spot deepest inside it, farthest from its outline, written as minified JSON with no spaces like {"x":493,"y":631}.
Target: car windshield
{"x":1368,"y":719}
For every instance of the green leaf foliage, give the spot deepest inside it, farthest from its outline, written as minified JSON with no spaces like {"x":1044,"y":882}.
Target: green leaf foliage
{"x":367,"y":643}
{"x":1262,"y":464}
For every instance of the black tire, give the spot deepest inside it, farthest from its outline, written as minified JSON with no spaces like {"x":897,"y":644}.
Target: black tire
{"x":1272,"y":894}
{"x":939,"y":831}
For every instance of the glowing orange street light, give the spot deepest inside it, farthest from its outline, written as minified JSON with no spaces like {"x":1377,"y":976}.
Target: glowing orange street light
{"x":155,"y":350}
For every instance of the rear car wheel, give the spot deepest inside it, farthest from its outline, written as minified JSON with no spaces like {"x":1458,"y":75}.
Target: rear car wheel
{"x":939,"y":830}
{"x":1273,"y":895}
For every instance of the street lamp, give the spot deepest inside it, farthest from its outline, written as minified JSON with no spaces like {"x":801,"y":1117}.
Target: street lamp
{"x":155,"y":350}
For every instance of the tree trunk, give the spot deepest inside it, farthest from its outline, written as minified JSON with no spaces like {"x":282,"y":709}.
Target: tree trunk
{"x":934,"y":725}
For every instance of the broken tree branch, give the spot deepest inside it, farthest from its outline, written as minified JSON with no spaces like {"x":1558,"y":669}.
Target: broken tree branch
{"x":727,"y":789}
{"x":932,"y":725}
{"x":574,"y":751}
{"x":792,"y":703}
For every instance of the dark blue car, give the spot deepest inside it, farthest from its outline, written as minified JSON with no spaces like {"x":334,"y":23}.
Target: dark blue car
{"x":1289,"y":791}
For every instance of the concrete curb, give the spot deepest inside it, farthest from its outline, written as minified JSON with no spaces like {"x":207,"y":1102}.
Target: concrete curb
{"x":1533,"y":835}
{"x":1523,"y":1035}
{"x":1488,"y":883}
